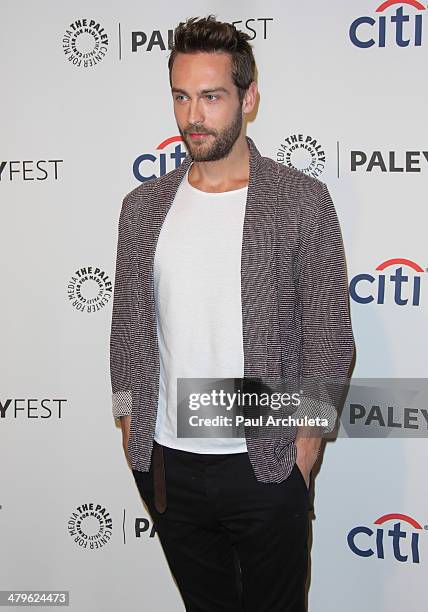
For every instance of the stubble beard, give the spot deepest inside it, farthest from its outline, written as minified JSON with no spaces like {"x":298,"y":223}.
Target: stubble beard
{"x":223,"y":140}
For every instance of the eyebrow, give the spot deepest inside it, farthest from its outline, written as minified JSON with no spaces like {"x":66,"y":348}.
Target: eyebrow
{"x":202,"y":91}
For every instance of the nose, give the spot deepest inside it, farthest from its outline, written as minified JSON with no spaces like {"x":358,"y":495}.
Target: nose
{"x":195,"y":112}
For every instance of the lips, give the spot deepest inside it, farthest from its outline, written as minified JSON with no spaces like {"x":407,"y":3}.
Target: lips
{"x":197,"y":135}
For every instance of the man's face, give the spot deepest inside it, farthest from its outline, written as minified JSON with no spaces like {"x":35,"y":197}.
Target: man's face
{"x":206,"y":104}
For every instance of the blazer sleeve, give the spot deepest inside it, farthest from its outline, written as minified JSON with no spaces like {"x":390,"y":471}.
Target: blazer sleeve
{"x":120,"y":340}
{"x":322,"y":287}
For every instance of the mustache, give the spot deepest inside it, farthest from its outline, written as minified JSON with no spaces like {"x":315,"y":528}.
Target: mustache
{"x":198,"y":130}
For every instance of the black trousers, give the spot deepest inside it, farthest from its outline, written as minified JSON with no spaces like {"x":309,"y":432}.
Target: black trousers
{"x":232,"y":543}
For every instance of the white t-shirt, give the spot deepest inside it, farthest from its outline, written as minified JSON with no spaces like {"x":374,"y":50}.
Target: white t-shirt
{"x":197,"y":281}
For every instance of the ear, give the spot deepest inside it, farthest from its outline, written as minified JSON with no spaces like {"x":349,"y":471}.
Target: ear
{"x":250,"y":98}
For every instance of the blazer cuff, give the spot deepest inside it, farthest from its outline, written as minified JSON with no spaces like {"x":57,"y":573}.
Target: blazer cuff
{"x":121,"y":403}
{"x":313,"y":408}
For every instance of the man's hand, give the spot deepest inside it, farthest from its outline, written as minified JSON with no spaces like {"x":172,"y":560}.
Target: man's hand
{"x":125,"y":423}
{"x":308,"y":445}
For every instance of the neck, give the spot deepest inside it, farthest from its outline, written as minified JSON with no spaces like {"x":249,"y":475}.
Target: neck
{"x":231,"y":172}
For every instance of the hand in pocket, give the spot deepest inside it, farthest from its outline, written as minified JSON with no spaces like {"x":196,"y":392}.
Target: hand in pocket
{"x":305,"y":473}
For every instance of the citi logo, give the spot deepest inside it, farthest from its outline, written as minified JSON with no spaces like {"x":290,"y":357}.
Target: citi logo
{"x":148,"y":166}
{"x":399,"y":280}
{"x":390,"y":29}
{"x":401,"y":540}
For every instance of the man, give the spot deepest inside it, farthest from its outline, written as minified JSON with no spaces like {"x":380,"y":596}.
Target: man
{"x":230,"y":266}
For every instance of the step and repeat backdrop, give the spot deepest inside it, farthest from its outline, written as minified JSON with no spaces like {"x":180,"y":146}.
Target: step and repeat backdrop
{"x":86,"y":115}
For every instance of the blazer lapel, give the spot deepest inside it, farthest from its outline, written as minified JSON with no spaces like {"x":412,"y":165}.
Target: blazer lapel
{"x":258,"y":288}
{"x":150,"y":220}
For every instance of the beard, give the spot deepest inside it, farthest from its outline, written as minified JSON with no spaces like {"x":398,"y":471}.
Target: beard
{"x":223,"y":140}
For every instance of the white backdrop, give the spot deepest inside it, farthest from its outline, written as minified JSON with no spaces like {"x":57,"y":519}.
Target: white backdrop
{"x":70,"y":136}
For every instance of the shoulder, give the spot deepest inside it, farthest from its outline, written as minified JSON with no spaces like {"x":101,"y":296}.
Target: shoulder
{"x":291,"y":179}
{"x":299,"y":192}
{"x":141,"y":195}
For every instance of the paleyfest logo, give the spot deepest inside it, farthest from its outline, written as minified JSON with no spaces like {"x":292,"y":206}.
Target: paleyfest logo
{"x":397,"y":281}
{"x":85,"y":43}
{"x":167,"y":156}
{"x":303,"y":152}
{"x":156,"y":39}
{"x":388,"y":161}
{"x":389,"y":28}
{"x":392,"y":536}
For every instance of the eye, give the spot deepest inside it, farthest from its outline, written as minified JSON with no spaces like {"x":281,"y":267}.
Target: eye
{"x":211,"y":97}
{"x":179,"y":97}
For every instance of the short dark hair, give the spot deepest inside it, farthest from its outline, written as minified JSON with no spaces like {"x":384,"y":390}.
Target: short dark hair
{"x":206,"y":34}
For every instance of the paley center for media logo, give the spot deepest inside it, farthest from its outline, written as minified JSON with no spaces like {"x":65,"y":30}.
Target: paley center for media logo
{"x":390,"y":25}
{"x":303,"y":152}
{"x":396,"y":281}
{"x":393,"y":536}
{"x":90,"y":525}
{"x":85,"y":43}
{"x":89,"y":289}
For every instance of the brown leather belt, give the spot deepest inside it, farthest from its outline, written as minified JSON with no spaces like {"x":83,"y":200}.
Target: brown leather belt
{"x":159,"y":485}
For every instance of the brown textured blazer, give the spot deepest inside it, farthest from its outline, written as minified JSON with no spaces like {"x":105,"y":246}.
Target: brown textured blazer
{"x":295,"y":307}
